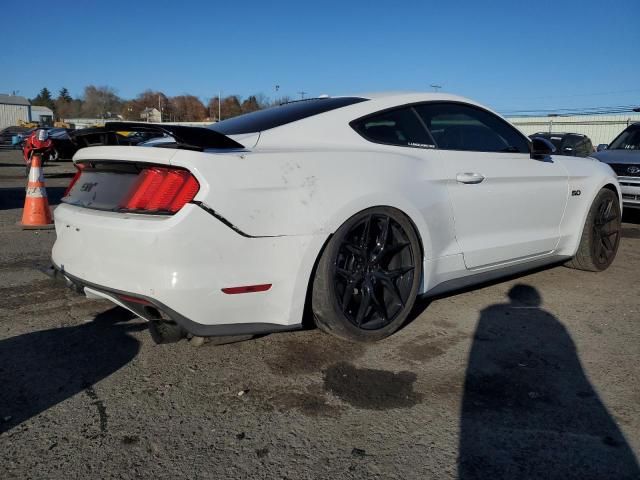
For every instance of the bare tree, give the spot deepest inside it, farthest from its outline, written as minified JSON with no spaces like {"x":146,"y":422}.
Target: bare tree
{"x":250,"y":104}
{"x":281,"y":100}
{"x":148,"y":99}
{"x":188,"y":108}
{"x":102,"y":102}
{"x":231,"y":107}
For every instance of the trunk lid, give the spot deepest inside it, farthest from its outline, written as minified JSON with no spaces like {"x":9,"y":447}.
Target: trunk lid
{"x":107,"y":176}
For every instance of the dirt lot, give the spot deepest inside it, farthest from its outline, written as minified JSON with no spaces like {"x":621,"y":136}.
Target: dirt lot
{"x":534,"y":377}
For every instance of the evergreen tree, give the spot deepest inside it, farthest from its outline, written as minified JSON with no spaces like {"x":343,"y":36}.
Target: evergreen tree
{"x":64,"y":104}
{"x":64,"y":95}
{"x":44,"y":99}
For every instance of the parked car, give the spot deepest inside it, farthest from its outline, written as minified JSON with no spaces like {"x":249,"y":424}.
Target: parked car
{"x":8,"y":136}
{"x":623,"y":156}
{"x":63,"y":144}
{"x":66,"y":143}
{"x":572,"y":144}
{"x":357,"y":205}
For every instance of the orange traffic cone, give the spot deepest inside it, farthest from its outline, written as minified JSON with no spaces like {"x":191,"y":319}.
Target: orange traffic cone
{"x":36,"y":214}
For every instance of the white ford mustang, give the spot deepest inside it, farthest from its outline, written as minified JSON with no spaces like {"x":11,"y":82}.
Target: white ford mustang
{"x":353,"y":206}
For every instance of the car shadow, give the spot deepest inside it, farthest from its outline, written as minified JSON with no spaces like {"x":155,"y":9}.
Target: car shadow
{"x":41,"y":369}
{"x":631,"y":215}
{"x":11,"y":198}
{"x":12,"y":165}
{"x":423,"y":302}
{"x":528,"y":408}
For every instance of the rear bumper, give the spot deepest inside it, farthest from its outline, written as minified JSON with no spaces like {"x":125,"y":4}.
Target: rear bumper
{"x":151,"y":309}
{"x":179,"y":265}
{"x":630,"y":187}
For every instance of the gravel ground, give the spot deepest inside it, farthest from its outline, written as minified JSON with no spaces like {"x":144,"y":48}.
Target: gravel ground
{"x":533,"y":377}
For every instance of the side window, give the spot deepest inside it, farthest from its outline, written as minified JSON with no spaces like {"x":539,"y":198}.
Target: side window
{"x":395,"y":127}
{"x":456,"y":126}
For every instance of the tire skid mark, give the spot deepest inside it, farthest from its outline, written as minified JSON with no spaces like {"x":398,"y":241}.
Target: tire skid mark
{"x":102,"y":410}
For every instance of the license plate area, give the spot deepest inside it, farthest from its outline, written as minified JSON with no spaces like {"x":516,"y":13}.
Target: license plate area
{"x":100,"y":190}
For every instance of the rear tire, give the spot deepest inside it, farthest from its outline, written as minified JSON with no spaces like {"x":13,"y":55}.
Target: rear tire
{"x":368,"y":276}
{"x":601,"y":235}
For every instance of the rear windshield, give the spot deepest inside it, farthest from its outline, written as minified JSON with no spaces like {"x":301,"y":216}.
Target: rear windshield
{"x":555,"y":139}
{"x":280,"y":115}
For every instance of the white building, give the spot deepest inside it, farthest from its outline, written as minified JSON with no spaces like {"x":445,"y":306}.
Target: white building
{"x":13,"y":109}
{"x":42,"y":115}
{"x":599,"y":128}
{"x":151,"y":115}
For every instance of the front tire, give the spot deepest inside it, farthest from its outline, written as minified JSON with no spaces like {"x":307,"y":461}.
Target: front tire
{"x":368,"y":276}
{"x":601,"y":235}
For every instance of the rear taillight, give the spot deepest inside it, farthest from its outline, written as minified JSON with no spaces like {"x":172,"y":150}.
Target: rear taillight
{"x":160,"y":189}
{"x":79,"y":167}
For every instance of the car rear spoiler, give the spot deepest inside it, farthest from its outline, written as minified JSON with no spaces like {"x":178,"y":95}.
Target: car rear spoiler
{"x":188,"y":138}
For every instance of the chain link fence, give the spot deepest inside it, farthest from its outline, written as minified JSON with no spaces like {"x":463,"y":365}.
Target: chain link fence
{"x":599,"y":128}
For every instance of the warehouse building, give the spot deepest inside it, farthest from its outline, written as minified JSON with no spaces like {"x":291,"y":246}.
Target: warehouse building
{"x":42,"y":115}
{"x":599,"y":128}
{"x":13,"y":109}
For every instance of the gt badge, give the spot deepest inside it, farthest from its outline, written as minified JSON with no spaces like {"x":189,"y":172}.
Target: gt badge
{"x":88,"y":186}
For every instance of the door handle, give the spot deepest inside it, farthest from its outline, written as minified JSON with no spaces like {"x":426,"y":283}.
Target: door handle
{"x":469,"y":177}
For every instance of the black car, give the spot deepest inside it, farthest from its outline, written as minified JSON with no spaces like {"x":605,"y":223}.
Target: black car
{"x":7,"y":134}
{"x":571,"y":144}
{"x":67,"y":141}
{"x":63,"y":144}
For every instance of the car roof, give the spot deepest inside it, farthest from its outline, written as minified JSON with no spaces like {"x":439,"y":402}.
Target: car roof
{"x":556,"y":134}
{"x":403,"y":97}
{"x":335,"y":123}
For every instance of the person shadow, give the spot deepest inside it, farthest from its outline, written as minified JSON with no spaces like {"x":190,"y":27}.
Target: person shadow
{"x":41,"y":369}
{"x":528,"y":409}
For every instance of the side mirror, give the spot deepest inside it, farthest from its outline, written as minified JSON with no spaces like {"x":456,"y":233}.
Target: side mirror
{"x":541,"y":148}
{"x":602,"y":146}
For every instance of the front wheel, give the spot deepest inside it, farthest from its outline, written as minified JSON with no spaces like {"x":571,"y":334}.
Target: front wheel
{"x":601,"y":235}
{"x":53,"y":156}
{"x":368,"y":276}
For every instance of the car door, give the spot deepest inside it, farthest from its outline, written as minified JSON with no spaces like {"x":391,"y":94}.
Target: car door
{"x":507,"y":205}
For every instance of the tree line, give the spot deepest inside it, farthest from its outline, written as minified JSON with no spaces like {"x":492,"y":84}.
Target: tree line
{"x":103,"y":102}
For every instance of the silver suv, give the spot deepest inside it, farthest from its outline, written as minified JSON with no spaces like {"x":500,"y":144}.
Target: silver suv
{"x":623,"y":156}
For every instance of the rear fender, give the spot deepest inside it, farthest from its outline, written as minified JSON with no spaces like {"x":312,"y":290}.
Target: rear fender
{"x":314,"y":192}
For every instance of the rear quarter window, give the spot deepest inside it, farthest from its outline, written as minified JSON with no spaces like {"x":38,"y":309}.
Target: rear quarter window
{"x":395,"y":127}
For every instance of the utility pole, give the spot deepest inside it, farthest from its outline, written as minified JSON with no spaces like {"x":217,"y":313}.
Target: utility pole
{"x":435,"y":87}
{"x":302,"y":94}
{"x":219,"y":105}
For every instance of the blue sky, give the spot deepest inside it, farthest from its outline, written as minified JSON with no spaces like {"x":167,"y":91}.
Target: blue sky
{"x":509,"y":55}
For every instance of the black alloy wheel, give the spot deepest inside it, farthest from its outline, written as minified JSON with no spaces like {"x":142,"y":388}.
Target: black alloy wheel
{"x":368,"y":276}
{"x":606,"y":231}
{"x":601,"y":234}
